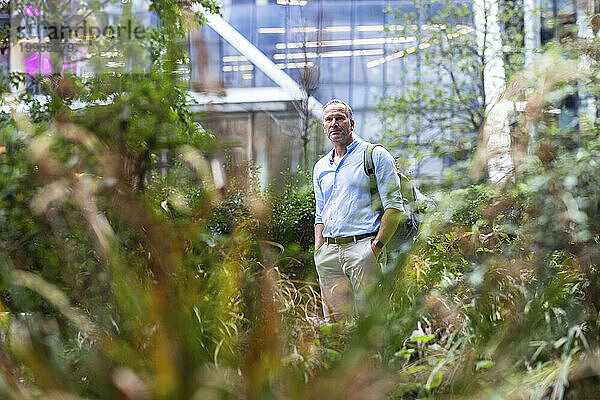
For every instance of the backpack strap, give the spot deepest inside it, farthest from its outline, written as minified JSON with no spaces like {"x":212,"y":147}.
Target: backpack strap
{"x":404,"y":180}
{"x":369,"y":167}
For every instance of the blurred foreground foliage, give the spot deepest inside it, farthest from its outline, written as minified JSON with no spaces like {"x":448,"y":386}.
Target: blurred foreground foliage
{"x":118,"y":283}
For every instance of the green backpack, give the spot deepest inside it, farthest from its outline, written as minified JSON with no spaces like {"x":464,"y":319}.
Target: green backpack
{"x":411,"y":195}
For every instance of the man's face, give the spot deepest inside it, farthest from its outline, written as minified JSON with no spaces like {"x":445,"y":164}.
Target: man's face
{"x":336,"y":124}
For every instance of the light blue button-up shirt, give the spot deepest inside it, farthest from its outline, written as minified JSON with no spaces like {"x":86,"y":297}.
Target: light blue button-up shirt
{"x":343,"y":199}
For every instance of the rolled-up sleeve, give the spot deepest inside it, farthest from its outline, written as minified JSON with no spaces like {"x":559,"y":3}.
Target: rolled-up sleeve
{"x":388,"y":181}
{"x":318,"y":196}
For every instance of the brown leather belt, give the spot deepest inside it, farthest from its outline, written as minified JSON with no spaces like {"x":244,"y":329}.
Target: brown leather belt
{"x":348,"y":239}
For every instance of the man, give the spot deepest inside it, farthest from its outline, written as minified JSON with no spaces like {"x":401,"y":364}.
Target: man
{"x":350,"y":234}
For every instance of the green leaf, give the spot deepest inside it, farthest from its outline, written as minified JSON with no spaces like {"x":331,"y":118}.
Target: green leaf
{"x":435,"y":381}
{"x":422,"y":339}
{"x":418,"y":368}
{"x":483,"y":364}
{"x":404,"y":353}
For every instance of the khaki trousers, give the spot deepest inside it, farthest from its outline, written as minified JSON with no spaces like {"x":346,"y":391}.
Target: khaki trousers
{"x":345,"y":270}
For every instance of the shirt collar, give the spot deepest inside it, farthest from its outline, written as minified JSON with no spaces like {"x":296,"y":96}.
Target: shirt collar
{"x":349,"y":148}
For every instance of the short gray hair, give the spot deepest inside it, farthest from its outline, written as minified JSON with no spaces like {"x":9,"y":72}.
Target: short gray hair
{"x":338,"y":101}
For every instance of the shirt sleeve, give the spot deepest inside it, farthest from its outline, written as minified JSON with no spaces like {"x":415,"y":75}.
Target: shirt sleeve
{"x":388,"y":181}
{"x":318,"y":196}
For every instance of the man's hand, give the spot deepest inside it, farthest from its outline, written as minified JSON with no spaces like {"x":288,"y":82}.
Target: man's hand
{"x":319,"y":240}
{"x":376,"y":250}
{"x":389,"y":223}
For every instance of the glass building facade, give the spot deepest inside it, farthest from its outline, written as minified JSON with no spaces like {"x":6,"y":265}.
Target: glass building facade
{"x":348,"y":41}
{"x":357,"y":46}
